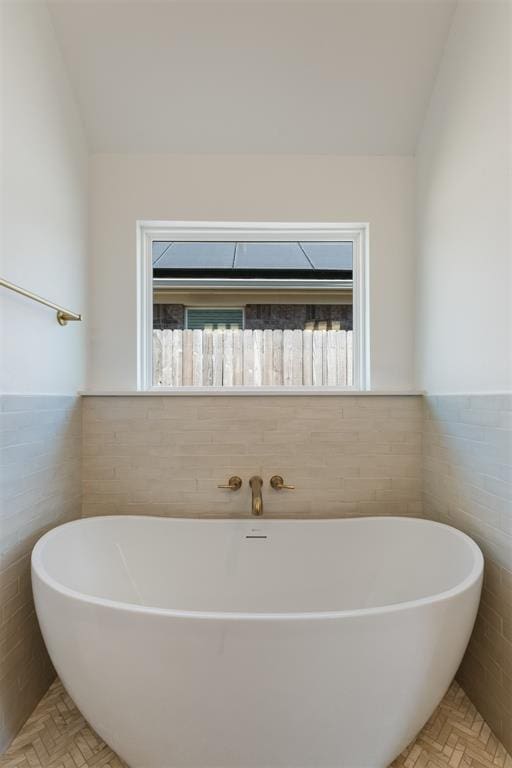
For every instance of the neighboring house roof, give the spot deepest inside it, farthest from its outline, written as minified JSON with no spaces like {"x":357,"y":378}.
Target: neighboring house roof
{"x":318,"y":260}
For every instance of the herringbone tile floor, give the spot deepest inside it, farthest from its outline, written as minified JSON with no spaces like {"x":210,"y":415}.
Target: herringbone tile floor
{"x":57,"y":736}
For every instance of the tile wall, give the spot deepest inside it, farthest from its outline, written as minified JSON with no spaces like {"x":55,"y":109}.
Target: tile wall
{"x":467,"y":466}
{"x":166,"y":455}
{"x":40,"y":454}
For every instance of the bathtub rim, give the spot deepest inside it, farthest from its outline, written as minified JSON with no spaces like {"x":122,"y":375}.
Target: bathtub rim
{"x":466,"y":584}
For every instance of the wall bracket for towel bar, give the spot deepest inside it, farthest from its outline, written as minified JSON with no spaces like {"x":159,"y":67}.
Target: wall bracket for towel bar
{"x":63,"y":315}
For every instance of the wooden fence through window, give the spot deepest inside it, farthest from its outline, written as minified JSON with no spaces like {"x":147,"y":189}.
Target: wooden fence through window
{"x":234,"y":357}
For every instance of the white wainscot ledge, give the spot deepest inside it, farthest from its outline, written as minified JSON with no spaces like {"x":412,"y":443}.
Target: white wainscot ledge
{"x":251,"y":391}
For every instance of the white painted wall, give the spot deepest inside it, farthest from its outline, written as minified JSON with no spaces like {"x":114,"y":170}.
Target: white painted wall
{"x":43,"y":208}
{"x":464,"y":208}
{"x":127,"y":188}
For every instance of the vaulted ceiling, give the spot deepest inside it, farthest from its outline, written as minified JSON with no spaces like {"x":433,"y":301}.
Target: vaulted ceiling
{"x":350,"y":78}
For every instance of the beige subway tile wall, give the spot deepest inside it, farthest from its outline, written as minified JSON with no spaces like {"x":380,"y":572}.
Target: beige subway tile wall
{"x":40,"y":453}
{"x":166,"y":455}
{"x":467,"y":460}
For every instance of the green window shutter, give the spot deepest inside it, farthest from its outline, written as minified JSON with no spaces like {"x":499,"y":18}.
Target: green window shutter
{"x":214,"y":317}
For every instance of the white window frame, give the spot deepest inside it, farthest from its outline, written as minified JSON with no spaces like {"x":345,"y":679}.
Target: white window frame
{"x":149,"y":231}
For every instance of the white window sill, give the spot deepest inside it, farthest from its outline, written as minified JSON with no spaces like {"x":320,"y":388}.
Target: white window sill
{"x":249,"y":391}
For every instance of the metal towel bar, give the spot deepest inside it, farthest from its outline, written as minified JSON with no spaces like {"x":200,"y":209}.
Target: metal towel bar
{"x":63,"y":315}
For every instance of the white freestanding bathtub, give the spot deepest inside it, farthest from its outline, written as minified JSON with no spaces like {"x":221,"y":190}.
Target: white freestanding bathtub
{"x":256,"y":644}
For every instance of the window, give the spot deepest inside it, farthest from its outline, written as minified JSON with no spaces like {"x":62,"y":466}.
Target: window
{"x":214,"y":318}
{"x":252,"y":306}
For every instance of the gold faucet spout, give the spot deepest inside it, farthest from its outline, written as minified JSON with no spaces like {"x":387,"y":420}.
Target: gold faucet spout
{"x":256,"y":484}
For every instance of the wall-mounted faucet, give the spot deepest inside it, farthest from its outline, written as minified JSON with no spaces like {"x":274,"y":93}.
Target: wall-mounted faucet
{"x":257,"y":502}
{"x":256,"y":483}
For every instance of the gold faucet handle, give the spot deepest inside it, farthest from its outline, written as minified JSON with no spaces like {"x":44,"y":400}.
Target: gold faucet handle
{"x":234,"y":483}
{"x":278,"y":484}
